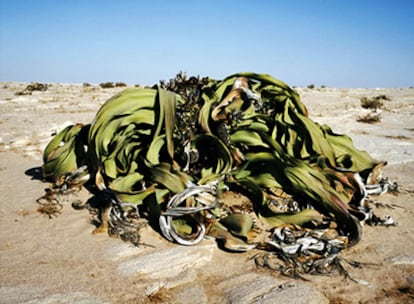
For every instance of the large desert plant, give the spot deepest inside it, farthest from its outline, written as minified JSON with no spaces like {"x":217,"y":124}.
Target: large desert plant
{"x":172,"y":149}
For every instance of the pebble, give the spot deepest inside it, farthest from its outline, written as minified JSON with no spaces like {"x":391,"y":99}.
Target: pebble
{"x":410,"y":280}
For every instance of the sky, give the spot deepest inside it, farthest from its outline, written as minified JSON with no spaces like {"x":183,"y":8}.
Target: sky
{"x":334,"y":43}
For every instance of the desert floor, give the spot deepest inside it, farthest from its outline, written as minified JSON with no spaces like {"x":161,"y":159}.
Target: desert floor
{"x":58,"y":260}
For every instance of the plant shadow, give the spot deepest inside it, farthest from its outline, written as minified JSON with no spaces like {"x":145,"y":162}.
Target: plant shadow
{"x":35,"y":173}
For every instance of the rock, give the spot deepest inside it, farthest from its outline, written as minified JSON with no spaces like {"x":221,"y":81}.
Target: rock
{"x":266,"y":289}
{"x":26,"y":295}
{"x":403,"y":259}
{"x":170,"y":262}
{"x":249,"y":291}
{"x":292,"y":293}
{"x":123,"y":251}
{"x":166,"y":268}
{"x":68,"y":298}
{"x":410,"y":280}
{"x":186,"y":277}
{"x":20,"y":294}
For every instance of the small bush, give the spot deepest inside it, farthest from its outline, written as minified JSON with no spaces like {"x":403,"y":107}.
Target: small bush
{"x":110,"y":84}
{"x":374,"y":102}
{"x":371,"y":103}
{"x":107,"y":85}
{"x":383,"y":97}
{"x":86,"y":84}
{"x":311,"y":86}
{"x":36,"y":86}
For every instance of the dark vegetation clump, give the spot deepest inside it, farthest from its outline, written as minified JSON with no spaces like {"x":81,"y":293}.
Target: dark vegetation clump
{"x":190,"y":89}
{"x":35,"y":86}
{"x":187,"y":113}
{"x":374,"y":102}
{"x":311,"y":86}
{"x":110,"y":84}
{"x":107,"y":85}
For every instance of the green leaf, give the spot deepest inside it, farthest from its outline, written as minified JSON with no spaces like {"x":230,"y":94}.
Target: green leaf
{"x":153,"y":153}
{"x":247,"y":137}
{"x":238,"y":224}
{"x":300,"y":218}
{"x":347,"y":155}
{"x":167,"y":102}
{"x":127,"y":183}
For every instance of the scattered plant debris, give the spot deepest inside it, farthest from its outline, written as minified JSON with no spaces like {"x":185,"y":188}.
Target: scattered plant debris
{"x":372,"y":117}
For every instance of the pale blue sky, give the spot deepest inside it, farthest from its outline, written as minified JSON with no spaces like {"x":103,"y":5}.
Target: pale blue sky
{"x":361,"y":43}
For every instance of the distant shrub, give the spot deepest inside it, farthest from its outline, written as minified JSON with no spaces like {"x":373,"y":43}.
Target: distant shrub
{"x":383,"y":97}
{"x":370,"y":103}
{"x":110,"y":84}
{"x":323,"y":86}
{"x":374,"y":102}
{"x":311,"y":86}
{"x":36,"y":86}
{"x":86,"y":84}
{"x":107,"y":85}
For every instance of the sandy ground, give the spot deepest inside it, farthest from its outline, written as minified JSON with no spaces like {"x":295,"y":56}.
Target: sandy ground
{"x":42,"y":258}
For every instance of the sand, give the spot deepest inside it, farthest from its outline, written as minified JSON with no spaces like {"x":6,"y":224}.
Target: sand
{"x":59,"y":260}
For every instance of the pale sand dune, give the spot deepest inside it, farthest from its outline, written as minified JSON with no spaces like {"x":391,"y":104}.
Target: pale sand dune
{"x":58,"y":260}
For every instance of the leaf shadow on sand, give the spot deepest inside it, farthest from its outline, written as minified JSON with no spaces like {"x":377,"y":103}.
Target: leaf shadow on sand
{"x":35,"y":173}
